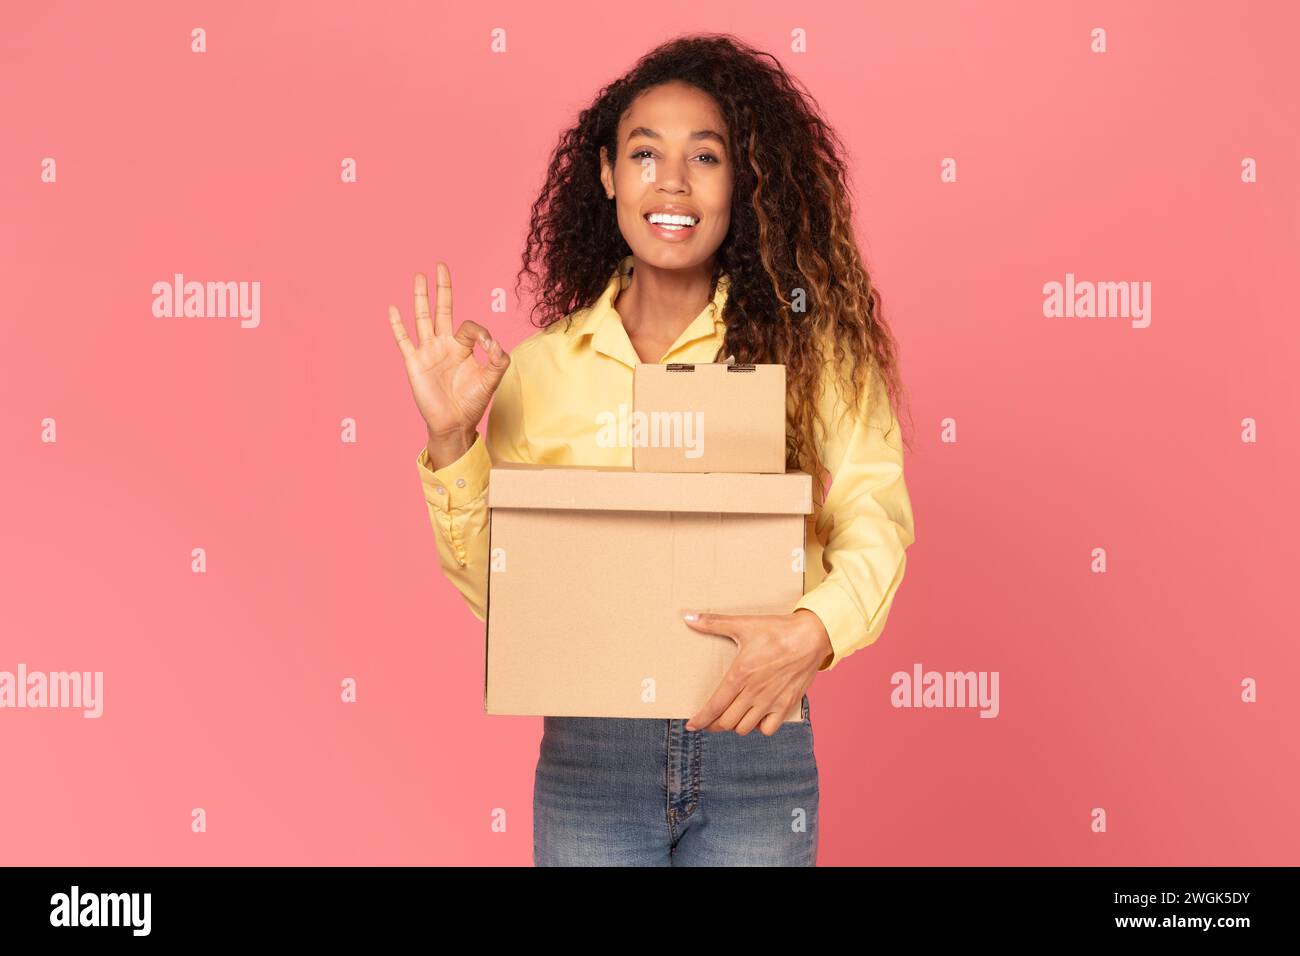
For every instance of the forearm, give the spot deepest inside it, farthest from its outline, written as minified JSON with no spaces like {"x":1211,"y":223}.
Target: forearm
{"x":443,"y":450}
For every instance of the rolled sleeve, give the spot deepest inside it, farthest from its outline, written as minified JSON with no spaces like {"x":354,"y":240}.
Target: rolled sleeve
{"x":457,"y":498}
{"x":455,"y":485}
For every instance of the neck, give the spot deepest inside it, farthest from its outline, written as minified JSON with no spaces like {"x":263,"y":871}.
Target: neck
{"x":660,"y":303}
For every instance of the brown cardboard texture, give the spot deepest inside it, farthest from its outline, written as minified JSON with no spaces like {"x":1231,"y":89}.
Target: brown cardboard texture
{"x":707,"y":417}
{"x":591,"y":568}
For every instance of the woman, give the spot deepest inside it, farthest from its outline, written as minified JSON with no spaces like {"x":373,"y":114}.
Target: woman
{"x":697,"y":211}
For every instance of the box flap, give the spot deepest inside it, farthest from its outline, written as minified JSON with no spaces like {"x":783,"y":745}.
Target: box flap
{"x":592,"y":488}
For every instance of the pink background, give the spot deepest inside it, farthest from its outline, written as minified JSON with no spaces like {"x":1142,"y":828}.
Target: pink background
{"x":1119,"y":691}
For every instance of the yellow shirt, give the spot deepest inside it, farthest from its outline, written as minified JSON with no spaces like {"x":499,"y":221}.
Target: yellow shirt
{"x":544,"y":412}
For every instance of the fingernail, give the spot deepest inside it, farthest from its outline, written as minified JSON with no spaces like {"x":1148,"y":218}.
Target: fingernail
{"x":691,"y":616}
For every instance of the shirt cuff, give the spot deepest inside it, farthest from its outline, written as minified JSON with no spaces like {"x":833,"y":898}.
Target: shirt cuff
{"x":839,"y":615}
{"x":458,"y":484}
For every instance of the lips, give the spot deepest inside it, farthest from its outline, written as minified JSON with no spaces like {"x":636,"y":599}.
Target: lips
{"x":670,"y":232}
{"x":673,"y":209}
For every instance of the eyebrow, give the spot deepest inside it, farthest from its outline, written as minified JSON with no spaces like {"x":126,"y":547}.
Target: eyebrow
{"x":698,"y":134}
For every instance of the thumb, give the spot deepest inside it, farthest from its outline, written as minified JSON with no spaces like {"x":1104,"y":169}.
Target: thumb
{"x":498,"y":360}
{"x":727,"y":625}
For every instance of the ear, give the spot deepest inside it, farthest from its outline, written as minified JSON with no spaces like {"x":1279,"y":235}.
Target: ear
{"x":606,"y":174}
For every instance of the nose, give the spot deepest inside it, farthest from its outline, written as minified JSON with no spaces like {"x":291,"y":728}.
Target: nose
{"x":670,"y":176}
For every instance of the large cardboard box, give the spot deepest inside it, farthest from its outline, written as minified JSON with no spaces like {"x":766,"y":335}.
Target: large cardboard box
{"x":590,"y":570}
{"x":708,"y":417}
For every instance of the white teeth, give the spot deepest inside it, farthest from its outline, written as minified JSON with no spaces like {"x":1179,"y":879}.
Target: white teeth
{"x":666,"y":220}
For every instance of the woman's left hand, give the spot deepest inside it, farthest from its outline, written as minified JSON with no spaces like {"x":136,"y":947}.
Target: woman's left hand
{"x":780,"y":655}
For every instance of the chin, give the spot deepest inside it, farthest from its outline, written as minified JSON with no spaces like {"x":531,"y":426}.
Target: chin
{"x":662,"y":255}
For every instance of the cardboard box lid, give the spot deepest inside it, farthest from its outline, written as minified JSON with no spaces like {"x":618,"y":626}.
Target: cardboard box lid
{"x":598,"y":488}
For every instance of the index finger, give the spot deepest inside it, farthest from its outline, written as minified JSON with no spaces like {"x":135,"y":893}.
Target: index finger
{"x":728,"y":690}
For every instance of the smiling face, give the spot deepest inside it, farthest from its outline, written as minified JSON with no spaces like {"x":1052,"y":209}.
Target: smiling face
{"x":671,"y":180}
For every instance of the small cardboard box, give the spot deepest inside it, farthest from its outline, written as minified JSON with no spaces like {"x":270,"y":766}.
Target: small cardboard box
{"x":708,"y":417}
{"x":590,"y":570}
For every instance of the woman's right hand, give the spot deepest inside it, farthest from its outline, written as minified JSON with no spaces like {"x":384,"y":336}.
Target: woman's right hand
{"x":451,"y":388}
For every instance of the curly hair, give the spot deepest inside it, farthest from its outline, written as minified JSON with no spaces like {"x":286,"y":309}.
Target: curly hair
{"x":790,"y":240}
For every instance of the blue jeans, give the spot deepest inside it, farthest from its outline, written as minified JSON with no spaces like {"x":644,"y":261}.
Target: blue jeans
{"x":633,"y":791}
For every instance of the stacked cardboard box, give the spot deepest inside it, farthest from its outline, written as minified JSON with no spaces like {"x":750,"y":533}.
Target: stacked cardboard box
{"x":591,"y":568}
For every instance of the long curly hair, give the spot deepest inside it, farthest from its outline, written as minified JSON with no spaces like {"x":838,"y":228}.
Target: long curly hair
{"x":798,"y":286}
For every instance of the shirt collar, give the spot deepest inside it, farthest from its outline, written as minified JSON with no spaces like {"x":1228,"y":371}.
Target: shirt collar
{"x":602,"y":323}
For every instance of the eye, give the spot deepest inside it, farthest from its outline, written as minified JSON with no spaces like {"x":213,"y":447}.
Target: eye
{"x":712,"y":160}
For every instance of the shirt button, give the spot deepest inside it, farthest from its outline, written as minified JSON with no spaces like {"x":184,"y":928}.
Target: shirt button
{"x":440,"y":489}
{"x":460,"y":482}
